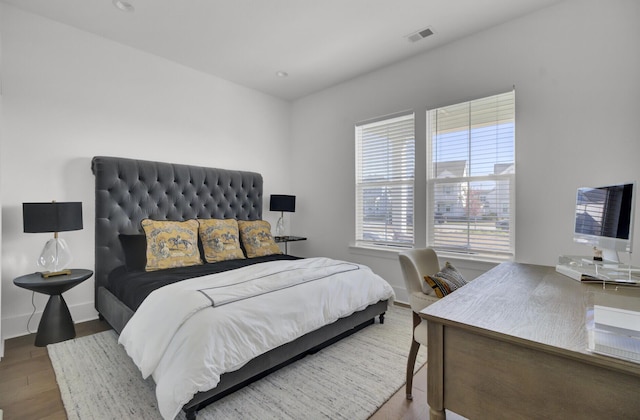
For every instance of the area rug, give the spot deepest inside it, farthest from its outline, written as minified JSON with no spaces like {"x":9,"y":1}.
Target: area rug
{"x":350,"y":379}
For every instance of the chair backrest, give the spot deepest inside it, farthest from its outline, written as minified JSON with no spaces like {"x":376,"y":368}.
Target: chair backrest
{"x":415,"y":264}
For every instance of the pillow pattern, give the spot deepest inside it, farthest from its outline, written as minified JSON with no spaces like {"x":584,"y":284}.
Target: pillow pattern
{"x":220,"y":240}
{"x":171,"y":244}
{"x":256,"y":238}
{"x":447,"y":280}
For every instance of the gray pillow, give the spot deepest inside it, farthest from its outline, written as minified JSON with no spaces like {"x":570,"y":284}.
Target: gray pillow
{"x":446,"y":281}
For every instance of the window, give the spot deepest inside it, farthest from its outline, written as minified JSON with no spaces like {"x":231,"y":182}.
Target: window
{"x":471,"y":175}
{"x":385,"y":160}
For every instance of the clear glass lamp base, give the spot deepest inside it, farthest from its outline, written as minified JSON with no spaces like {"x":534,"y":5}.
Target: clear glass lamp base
{"x":280,"y":226}
{"x":55,"y":256}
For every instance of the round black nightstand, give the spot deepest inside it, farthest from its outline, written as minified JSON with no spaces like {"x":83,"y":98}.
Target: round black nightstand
{"x":56,"y":323}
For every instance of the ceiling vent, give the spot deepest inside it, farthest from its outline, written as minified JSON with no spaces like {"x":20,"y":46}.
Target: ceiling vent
{"x":421,"y":34}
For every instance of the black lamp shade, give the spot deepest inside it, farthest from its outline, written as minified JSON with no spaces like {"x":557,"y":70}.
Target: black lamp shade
{"x":51,"y":217}
{"x":282,"y":203}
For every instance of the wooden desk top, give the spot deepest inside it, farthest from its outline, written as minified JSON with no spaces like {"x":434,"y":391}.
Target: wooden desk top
{"x":533,"y":306}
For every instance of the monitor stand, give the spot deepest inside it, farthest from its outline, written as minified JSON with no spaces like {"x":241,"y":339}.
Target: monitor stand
{"x":586,"y":269}
{"x":610,"y":256}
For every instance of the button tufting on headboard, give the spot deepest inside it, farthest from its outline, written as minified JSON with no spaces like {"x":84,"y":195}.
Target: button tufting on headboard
{"x":129,"y":190}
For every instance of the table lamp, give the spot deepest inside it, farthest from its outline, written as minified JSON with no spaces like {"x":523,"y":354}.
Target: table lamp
{"x":282,"y":203}
{"x":53,"y":217}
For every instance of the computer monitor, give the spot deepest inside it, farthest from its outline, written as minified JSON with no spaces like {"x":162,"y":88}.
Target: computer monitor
{"x":604,"y":218}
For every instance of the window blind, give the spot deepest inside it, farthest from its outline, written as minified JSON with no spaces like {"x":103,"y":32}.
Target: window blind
{"x":471,"y":178}
{"x":385,"y":161}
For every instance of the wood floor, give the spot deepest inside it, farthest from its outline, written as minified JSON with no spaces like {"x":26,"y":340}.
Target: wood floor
{"x":28,"y":388}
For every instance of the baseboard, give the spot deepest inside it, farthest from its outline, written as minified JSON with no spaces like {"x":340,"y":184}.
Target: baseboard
{"x":16,"y":326}
{"x":401,"y":304}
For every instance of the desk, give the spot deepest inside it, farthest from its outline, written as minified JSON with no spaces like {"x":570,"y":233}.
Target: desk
{"x":513,"y":344}
{"x":287,"y":239}
{"x":56,"y":323}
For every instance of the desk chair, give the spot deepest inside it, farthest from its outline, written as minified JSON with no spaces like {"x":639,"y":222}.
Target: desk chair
{"x":415,"y":264}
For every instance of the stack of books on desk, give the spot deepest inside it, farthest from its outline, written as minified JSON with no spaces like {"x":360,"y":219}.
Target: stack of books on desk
{"x":614,"y":332}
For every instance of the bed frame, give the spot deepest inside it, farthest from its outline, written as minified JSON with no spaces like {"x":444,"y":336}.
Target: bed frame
{"x":128,"y":191}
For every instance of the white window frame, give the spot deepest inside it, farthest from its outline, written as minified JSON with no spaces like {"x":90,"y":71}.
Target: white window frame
{"x":432,"y":182}
{"x":394,"y":230}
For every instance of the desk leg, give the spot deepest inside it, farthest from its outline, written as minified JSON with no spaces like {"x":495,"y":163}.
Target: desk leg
{"x":56,"y":323}
{"x":435,"y":371}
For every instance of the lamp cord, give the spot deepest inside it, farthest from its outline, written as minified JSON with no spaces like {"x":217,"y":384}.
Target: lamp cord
{"x":33,"y":294}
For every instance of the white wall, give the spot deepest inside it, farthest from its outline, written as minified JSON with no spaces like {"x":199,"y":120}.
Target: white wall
{"x":1,"y":141}
{"x":576,"y":68}
{"x":69,"y":95}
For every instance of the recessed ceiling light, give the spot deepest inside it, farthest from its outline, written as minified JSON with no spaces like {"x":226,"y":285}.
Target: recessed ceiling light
{"x":282,"y":73}
{"x":123,"y":5}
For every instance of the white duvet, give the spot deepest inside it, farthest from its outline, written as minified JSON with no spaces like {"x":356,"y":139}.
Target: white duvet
{"x":189,"y":333}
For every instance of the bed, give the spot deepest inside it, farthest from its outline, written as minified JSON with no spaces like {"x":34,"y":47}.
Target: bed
{"x":128,"y":191}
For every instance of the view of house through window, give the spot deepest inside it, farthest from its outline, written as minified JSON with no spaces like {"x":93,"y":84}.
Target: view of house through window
{"x":385,"y":160}
{"x":471,"y":176}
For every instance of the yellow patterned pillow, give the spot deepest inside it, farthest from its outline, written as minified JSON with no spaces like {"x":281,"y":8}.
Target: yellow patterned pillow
{"x":171,"y":244}
{"x":256,"y":238}
{"x":220,"y":240}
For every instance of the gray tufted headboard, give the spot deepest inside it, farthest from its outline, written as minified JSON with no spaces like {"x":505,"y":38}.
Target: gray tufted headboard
{"x":129,"y":190}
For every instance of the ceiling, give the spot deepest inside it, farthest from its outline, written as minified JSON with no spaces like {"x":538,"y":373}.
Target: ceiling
{"x":319,"y":43}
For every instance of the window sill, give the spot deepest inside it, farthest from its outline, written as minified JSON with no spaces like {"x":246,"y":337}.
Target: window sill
{"x":380,"y":251}
{"x":483,"y":258}
{"x":391,"y":252}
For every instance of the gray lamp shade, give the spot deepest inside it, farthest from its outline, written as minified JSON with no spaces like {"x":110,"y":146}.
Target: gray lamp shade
{"x":280,"y":202}
{"x":51,"y":217}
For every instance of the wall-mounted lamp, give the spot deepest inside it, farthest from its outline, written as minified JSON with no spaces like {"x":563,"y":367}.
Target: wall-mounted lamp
{"x":53,"y":217}
{"x":282,"y":203}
